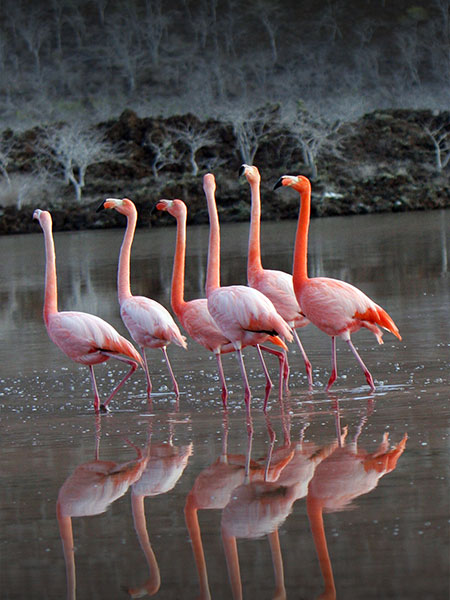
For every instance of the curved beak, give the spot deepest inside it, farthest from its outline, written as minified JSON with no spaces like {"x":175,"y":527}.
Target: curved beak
{"x":242,"y":169}
{"x":279,"y":183}
{"x":101,"y":207}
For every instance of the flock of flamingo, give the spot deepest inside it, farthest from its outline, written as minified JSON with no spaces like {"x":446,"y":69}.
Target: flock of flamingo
{"x":269,"y":309}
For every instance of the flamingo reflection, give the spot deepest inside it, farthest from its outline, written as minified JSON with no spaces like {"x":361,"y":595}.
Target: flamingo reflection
{"x":213,"y":488}
{"x":259,"y":508}
{"x":163,"y":470}
{"x":348,"y":472}
{"x":90,"y":490}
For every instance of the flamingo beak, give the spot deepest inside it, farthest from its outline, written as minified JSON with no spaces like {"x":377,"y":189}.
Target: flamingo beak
{"x":242,"y":169}
{"x":101,"y":207}
{"x":279,"y":183}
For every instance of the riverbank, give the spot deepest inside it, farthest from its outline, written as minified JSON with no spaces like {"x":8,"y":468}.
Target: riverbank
{"x":384,"y":162}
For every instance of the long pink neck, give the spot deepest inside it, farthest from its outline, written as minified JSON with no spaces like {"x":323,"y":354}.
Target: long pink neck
{"x":213,"y":269}
{"x":254,"y":241}
{"x":300,"y":268}
{"x":177,"y":294}
{"x":66,"y":533}
{"x":123,"y":272}
{"x":315,"y":516}
{"x":51,"y":290}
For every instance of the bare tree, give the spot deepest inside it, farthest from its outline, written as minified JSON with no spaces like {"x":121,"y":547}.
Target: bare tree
{"x":163,"y":151}
{"x":194,"y":137}
{"x":314,"y":134}
{"x":6,"y":149}
{"x":252,"y":128}
{"x":440,"y":138}
{"x":72,"y":149}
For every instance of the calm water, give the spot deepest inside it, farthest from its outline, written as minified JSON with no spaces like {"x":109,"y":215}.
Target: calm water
{"x":366,"y":510}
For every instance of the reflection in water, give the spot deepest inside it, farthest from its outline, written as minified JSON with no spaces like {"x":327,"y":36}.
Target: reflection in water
{"x":164,"y":468}
{"x":213,"y":488}
{"x":90,"y":490}
{"x":95,"y":485}
{"x":257,"y":501}
{"x":348,"y":472}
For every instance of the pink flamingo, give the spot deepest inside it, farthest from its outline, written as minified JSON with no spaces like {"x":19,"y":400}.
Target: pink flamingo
{"x":276,"y":285}
{"x":244,"y":315}
{"x":83,"y":337}
{"x":335,"y":307}
{"x":193,"y":315}
{"x":149,"y":323}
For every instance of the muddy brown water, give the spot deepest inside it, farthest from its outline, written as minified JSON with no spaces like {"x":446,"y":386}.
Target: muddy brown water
{"x":365,"y":512}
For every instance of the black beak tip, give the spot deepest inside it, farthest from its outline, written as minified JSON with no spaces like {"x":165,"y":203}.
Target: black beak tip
{"x":278,"y":184}
{"x":101,"y":207}
{"x":153,"y":208}
{"x":241,"y":170}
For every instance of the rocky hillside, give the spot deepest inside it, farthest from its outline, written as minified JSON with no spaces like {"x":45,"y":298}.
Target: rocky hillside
{"x":386,"y":161}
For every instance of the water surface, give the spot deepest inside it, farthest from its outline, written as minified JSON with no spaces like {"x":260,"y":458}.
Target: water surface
{"x":385,"y":503}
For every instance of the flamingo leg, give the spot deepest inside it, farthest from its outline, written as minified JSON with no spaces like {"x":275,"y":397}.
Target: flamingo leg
{"x":281,"y":357}
{"x":147,"y":373}
{"x":305,"y":358}
{"x":247,"y":393}
{"x":269,"y":383}
{"x":333,"y":363}
{"x":133,"y":366}
{"x":222,"y":379}
{"x":94,"y":387}
{"x":169,"y":366}
{"x":366,"y":371}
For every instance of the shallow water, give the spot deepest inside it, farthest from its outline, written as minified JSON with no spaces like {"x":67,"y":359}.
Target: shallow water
{"x":385,"y":510}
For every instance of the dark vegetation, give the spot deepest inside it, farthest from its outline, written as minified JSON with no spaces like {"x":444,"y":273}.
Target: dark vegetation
{"x":353,"y":94}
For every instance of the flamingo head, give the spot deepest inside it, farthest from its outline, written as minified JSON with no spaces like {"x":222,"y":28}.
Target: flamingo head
{"x":124,"y":206}
{"x":298,"y":182}
{"x":42,"y":216}
{"x":209,"y":183}
{"x":176,"y":208}
{"x":251,"y":173}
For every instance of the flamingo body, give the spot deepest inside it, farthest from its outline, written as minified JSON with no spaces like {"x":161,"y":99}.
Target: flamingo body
{"x":150,"y":324}
{"x":339,"y":308}
{"x":246,"y":316}
{"x":84,"y":338}
{"x":278,"y":287}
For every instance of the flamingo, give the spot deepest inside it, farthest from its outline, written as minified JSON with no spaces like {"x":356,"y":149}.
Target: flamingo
{"x":244,"y":315}
{"x":193,"y":315}
{"x":276,"y":285}
{"x":335,"y":307}
{"x":83,"y":337}
{"x":149,"y":323}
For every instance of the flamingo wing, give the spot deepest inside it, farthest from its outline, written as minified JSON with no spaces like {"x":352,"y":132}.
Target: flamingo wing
{"x":339,"y":308}
{"x":149,"y":323}
{"x":237,"y":309}
{"x":278,"y":287}
{"x":83,"y":337}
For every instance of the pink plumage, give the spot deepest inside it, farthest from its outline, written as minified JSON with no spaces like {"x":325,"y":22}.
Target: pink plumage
{"x":149,"y":323}
{"x":83,"y":337}
{"x":336,"y":307}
